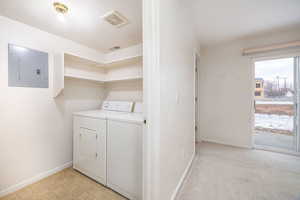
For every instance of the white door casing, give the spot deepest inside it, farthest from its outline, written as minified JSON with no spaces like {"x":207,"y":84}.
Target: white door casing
{"x":151,"y":98}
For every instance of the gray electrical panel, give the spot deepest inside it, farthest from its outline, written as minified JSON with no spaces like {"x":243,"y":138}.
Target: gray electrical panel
{"x":27,"y":67}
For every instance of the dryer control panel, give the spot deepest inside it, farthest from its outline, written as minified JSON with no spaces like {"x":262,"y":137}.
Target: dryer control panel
{"x":121,"y":106}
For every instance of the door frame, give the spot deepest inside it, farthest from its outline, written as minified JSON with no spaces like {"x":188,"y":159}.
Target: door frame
{"x":151,"y":98}
{"x":272,"y":56}
{"x":297,"y":97}
{"x":196,"y":94}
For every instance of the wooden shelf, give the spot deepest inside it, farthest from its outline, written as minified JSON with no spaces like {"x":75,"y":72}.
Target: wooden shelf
{"x":124,"y":79}
{"x":81,"y":60}
{"x":122,"y":60}
{"x":106,"y":64}
{"x":84,"y":78}
{"x":103,"y":81}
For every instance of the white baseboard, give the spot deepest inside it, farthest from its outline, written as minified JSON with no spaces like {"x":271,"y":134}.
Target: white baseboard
{"x":183,"y":177}
{"x":225,"y":143}
{"x":34,"y":179}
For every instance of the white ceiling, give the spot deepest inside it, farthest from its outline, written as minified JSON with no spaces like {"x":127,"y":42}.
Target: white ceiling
{"x":222,"y":20}
{"x":216,"y":20}
{"x":83,"y":22}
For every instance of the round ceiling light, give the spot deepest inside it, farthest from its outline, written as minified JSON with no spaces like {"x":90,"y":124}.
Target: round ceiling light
{"x":60,"y":7}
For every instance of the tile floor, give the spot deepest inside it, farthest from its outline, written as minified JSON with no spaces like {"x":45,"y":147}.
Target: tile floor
{"x":65,"y":185}
{"x":226,"y":173}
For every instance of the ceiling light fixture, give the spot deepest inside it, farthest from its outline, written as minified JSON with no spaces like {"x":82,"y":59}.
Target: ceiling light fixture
{"x":60,"y":7}
{"x":61,"y":10}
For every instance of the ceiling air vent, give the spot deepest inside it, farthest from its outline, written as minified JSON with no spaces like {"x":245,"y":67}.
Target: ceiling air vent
{"x":116,"y":19}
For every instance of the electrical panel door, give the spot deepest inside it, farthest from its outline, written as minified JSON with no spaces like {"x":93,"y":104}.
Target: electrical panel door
{"x":27,"y":67}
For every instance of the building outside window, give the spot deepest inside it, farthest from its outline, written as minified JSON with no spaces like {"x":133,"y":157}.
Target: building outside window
{"x":257,"y":93}
{"x":259,"y":88}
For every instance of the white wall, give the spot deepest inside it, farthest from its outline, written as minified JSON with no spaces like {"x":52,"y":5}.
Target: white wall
{"x":128,"y":90}
{"x":175,"y":77}
{"x":74,"y":68}
{"x":226,"y":83}
{"x":126,"y":69}
{"x":124,"y":91}
{"x":33,"y":135}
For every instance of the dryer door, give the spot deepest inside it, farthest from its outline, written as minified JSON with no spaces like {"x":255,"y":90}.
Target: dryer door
{"x":124,"y":158}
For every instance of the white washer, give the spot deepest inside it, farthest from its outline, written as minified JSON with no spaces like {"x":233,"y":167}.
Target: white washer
{"x":89,"y":154}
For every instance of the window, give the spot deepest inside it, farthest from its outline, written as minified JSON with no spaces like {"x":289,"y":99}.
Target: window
{"x":257,"y":85}
{"x":275,"y":112}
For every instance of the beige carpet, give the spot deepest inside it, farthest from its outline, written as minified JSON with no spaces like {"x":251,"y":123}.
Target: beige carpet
{"x":226,"y":173}
{"x":65,"y":185}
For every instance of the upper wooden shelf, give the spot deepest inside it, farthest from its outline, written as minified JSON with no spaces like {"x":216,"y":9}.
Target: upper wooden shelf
{"x":80,"y":60}
{"x":111,"y":59}
{"x":116,"y":62}
{"x":103,"y":80}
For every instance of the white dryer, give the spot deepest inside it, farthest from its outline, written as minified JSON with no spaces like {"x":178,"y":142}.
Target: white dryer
{"x":124,"y":154}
